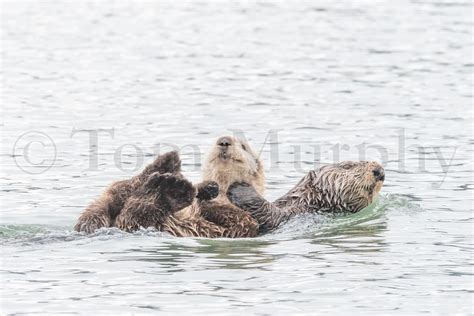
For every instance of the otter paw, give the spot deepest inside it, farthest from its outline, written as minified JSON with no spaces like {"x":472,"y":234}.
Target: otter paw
{"x":169,"y":162}
{"x":207,"y":190}
{"x":171,"y":185}
{"x":242,"y":194}
{"x":156,"y":180}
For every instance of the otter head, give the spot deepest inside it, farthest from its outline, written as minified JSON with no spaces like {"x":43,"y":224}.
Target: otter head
{"x":349,"y":186}
{"x":169,"y":191}
{"x":232,"y":160}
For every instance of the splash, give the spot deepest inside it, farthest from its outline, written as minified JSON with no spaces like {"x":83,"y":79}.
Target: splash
{"x":370,"y":219}
{"x":44,"y":234}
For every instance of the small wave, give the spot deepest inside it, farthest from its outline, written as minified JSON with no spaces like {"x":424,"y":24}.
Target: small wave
{"x":41,"y":234}
{"x":302,"y":225}
{"x":323,"y":224}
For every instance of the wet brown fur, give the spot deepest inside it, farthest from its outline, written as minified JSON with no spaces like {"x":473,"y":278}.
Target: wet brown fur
{"x":152,"y":203}
{"x":171,"y":205}
{"x":224,"y":165}
{"x":103,"y":211}
{"x":215,"y":220}
{"x":342,"y":187}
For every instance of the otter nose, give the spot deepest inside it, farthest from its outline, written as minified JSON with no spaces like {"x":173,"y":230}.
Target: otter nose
{"x":224,"y":141}
{"x":379,"y":174}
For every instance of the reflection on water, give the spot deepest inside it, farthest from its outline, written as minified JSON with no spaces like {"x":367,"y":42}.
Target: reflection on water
{"x":330,"y":79}
{"x":172,"y":256}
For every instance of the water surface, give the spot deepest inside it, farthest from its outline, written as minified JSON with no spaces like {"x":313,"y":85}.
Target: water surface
{"x":307,"y":83}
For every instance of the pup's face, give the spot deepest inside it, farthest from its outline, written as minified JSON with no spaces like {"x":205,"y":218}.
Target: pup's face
{"x":351,"y":186}
{"x":232,"y":160}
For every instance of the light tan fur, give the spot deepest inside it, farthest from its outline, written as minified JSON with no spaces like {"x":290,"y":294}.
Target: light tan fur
{"x":239,"y":163}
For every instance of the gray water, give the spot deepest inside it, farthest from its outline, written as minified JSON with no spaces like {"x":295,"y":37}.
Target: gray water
{"x":307,"y":83}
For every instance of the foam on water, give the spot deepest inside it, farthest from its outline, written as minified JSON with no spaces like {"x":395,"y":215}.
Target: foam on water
{"x":27,"y":235}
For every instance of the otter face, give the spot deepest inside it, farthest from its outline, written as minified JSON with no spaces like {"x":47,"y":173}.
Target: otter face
{"x":350,"y":186}
{"x":232,"y":160}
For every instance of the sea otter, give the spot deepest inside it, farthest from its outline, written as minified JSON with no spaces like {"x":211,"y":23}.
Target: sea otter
{"x":155,"y":196}
{"x":103,"y":211}
{"x":231,"y":159}
{"x":161,"y":195}
{"x":341,"y":187}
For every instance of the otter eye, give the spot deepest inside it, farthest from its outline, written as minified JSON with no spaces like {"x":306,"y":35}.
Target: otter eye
{"x":347,"y":165}
{"x":243,"y":147}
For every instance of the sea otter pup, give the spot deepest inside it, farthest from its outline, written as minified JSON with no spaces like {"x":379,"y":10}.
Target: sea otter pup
{"x":154,"y":197}
{"x":161,"y":195}
{"x":103,"y":211}
{"x":341,"y":187}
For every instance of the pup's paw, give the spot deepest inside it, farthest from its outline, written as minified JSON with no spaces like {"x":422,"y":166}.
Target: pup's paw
{"x":207,"y":190}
